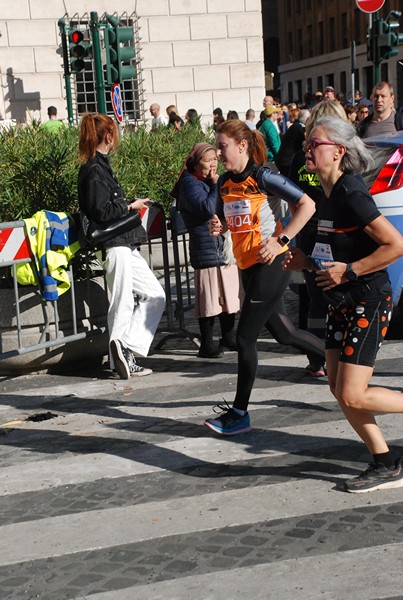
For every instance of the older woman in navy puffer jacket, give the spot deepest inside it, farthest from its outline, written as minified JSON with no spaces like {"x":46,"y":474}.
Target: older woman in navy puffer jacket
{"x":216,"y":281}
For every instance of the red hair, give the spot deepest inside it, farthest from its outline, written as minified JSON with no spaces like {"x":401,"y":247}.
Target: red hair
{"x":237,"y":130}
{"x":93,"y":130}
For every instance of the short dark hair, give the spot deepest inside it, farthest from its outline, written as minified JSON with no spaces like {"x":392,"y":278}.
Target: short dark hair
{"x":52,"y":111}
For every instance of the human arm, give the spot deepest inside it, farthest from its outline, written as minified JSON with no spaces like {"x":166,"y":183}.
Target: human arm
{"x":303,"y":209}
{"x":197,"y":198}
{"x":139,"y":203}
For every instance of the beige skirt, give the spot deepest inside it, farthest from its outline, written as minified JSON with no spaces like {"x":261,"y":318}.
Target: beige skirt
{"x":217,"y":290}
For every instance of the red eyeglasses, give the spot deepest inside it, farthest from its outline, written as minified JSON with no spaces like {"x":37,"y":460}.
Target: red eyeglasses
{"x":313,"y":143}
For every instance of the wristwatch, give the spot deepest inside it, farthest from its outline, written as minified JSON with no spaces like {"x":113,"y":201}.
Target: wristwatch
{"x":350,"y":274}
{"x":283,"y":240}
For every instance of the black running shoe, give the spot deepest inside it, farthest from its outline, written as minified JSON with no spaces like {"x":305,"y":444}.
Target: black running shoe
{"x":229,"y":422}
{"x":376,"y":477}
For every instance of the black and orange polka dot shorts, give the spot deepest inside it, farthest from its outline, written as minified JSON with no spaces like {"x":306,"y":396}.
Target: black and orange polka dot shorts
{"x":359,"y":330}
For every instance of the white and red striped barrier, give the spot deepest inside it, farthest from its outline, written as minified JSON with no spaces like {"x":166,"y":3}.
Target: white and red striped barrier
{"x":14,"y":246}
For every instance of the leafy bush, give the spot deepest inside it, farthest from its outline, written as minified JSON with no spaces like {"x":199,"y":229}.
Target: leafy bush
{"x":39,"y":169}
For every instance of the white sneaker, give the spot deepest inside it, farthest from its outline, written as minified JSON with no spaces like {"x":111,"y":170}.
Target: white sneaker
{"x":136,"y":370}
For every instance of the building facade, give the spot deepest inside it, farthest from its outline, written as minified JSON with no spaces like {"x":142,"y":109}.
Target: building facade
{"x":195,"y":54}
{"x":316,"y":48}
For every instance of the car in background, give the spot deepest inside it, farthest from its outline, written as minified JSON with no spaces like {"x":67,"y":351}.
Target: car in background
{"x":385,"y":182}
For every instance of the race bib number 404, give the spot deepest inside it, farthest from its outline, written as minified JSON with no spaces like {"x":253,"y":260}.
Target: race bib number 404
{"x":238,"y":215}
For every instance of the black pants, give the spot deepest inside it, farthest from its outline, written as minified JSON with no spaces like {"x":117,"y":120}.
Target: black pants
{"x":263,"y":305}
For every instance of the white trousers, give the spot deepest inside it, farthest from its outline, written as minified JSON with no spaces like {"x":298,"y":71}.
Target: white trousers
{"x":136,"y":299}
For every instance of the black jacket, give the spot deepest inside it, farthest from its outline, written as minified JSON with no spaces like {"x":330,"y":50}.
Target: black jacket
{"x":102,"y":200}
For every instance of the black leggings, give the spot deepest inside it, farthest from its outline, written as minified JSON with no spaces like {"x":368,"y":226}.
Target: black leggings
{"x":263,"y":305}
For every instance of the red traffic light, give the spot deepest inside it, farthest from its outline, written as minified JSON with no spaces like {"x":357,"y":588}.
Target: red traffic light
{"x":76,"y":36}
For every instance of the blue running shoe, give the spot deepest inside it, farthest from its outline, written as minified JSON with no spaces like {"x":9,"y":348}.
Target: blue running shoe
{"x":229,"y":422}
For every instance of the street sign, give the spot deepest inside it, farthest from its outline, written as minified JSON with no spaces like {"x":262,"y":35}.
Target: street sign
{"x":117,"y":102}
{"x":370,"y":6}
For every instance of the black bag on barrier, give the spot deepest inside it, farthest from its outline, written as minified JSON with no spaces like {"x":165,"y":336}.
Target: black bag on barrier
{"x":97,"y":233}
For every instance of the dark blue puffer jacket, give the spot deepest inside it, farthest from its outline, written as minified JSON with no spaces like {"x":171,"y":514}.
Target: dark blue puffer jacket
{"x":197,"y":204}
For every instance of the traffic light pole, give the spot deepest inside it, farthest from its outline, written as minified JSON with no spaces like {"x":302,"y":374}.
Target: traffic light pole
{"x":377,"y":60}
{"x":99,"y":76}
{"x":66,"y":69}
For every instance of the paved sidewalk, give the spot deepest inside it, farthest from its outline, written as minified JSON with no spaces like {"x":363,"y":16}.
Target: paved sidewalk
{"x":122,"y":494}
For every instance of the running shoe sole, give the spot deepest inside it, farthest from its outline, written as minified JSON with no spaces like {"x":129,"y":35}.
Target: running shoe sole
{"x":233,"y":431}
{"x":386,"y":485}
{"x":121,"y":366}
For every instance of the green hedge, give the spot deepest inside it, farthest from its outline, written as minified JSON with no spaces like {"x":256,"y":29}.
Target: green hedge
{"x":38,"y":170}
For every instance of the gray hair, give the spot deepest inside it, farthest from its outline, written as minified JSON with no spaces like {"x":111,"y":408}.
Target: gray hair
{"x":356,"y":158}
{"x":304,"y":115}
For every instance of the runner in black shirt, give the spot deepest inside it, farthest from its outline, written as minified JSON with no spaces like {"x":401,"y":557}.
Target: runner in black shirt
{"x":354,"y":245}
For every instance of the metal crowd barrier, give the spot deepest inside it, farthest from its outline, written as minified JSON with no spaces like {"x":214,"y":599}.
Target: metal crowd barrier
{"x":14,"y":249}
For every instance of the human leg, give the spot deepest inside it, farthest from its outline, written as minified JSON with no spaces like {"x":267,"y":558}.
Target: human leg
{"x":208,"y":347}
{"x":228,"y":336}
{"x":126,"y":274}
{"x":316,"y":321}
{"x":284,"y":331}
{"x":144,"y":320}
{"x":263,"y":286}
{"x":359,"y":332}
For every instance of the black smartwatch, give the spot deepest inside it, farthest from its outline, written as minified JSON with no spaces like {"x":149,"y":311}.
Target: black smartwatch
{"x":283,"y":240}
{"x":350,"y":274}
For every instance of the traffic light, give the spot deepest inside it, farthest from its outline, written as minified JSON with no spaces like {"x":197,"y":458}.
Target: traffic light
{"x":79,"y":50}
{"x":116,"y":53}
{"x":389,"y":39}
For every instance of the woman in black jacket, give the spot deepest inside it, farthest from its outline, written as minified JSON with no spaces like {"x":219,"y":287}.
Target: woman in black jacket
{"x":136,"y":298}
{"x":216,"y":281}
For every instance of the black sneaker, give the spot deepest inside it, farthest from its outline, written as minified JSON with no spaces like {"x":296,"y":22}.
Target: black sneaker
{"x":376,"y":477}
{"x":121,"y":357}
{"x":229,"y":422}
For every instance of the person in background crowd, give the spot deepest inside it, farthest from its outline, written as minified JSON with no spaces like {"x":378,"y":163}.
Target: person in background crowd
{"x":217,"y":118}
{"x":136,"y":298}
{"x":232,"y":114}
{"x":270,"y":133}
{"x":253,"y":219}
{"x":383,"y":119}
{"x":284,"y":121}
{"x":354,"y":245}
{"x":267,"y":100}
{"x":217,"y":290}
{"x":309,"y":101}
{"x":318,"y":96}
{"x":312,"y":302}
{"x":158,"y":119}
{"x":192,"y":118}
{"x":53,"y":125}
{"x":292,"y":140}
{"x":249,"y":118}
{"x":328,"y":93}
{"x":351,"y":113}
{"x":340,"y":98}
{"x":362,"y":113}
{"x":175,"y":121}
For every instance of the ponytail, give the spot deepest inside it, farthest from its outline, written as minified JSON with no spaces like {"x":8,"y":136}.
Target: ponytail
{"x":93,"y":130}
